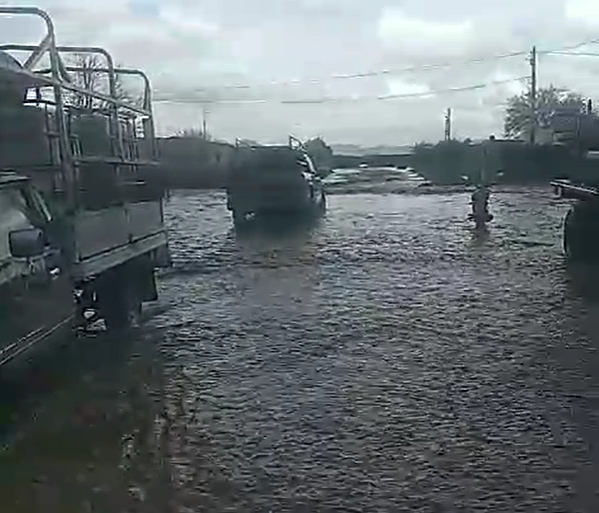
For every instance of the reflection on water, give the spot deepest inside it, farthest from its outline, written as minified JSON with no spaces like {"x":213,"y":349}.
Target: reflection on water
{"x":480,"y":235}
{"x":78,"y":430}
{"x":281,"y":226}
{"x":583,"y":281}
{"x":388,"y":358}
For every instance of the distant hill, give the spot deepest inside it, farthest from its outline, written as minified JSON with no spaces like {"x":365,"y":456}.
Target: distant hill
{"x":354,"y":149}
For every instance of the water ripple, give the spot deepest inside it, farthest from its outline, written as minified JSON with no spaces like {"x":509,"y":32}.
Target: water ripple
{"x":387,"y":359}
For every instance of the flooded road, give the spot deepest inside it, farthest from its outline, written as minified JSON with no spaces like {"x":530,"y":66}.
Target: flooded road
{"x":384,"y":360}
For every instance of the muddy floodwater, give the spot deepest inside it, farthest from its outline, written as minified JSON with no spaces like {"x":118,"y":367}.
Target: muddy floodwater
{"x":385,"y":360}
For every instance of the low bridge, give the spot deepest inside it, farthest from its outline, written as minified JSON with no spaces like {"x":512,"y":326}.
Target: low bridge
{"x":383,"y":160}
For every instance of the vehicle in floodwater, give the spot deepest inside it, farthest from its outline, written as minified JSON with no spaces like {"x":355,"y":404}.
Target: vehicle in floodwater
{"x":268,"y":180}
{"x":581,"y":225}
{"x":579,"y":130}
{"x":81,"y":221}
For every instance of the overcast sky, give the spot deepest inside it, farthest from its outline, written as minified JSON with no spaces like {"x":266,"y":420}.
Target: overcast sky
{"x":197,"y":50}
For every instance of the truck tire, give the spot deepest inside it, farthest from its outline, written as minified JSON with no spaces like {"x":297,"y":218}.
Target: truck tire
{"x":114,"y":307}
{"x":581,"y":232}
{"x":322,"y":206}
{"x":240,"y":219}
{"x":120,"y":298}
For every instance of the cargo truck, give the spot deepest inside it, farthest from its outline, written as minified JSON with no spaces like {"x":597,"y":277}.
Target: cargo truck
{"x":82,"y":229}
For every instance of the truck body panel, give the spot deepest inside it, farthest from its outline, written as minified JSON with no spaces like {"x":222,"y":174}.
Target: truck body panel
{"x":52,"y":302}
{"x":11,"y":218}
{"x":36,"y":293}
{"x":98,"y":233}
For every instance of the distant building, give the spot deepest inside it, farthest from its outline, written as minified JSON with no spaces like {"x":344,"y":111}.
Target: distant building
{"x":571,"y":125}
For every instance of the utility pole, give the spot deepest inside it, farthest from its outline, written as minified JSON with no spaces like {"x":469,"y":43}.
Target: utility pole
{"x":533,"y":94}
{"x":448,"y":125}
{"x":204,"y":124}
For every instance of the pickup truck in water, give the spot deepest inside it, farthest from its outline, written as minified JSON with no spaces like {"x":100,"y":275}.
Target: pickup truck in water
{"x":273,"y":180}
{"x":81,"y":221}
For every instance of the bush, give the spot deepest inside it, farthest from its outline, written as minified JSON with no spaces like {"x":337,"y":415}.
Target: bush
{"x":448,"y":162}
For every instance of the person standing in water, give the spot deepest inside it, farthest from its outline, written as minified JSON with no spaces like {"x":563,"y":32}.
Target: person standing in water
{"x":481,"y":195}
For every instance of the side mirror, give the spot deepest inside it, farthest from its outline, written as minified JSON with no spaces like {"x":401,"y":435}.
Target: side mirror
{"x":26,"y":243}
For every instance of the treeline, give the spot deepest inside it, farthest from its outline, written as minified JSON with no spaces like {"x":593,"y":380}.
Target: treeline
{"x":191,"y":162}
{"x":454,"y":162}
{"x":557,"y":114}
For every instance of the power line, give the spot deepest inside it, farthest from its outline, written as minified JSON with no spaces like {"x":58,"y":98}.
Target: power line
{"x":397,"y":71}
{"x":343,"y":99}
{"x":366,"y":74}
{"x":573,"y":47}
{"x":565,"y":50}
{"x":374,"y":73}
{"x":579,"y":54}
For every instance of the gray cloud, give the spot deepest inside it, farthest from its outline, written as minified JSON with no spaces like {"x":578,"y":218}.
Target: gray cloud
{"x":194,"y":51}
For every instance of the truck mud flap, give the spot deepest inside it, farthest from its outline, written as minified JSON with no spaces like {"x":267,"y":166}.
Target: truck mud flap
{"x":162,"y":257}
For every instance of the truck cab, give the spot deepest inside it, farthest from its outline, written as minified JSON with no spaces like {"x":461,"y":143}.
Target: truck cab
{"x":36,"y":295}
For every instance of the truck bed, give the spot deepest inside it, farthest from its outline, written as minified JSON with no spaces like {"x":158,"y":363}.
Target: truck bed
{"x":106,"y":238}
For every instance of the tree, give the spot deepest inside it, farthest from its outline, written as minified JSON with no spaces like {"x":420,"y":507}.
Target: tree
{"x":519,"y":112}
{"x":89,"y":77}
{"x":320,"y":153}
{"x":445,"y":162}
